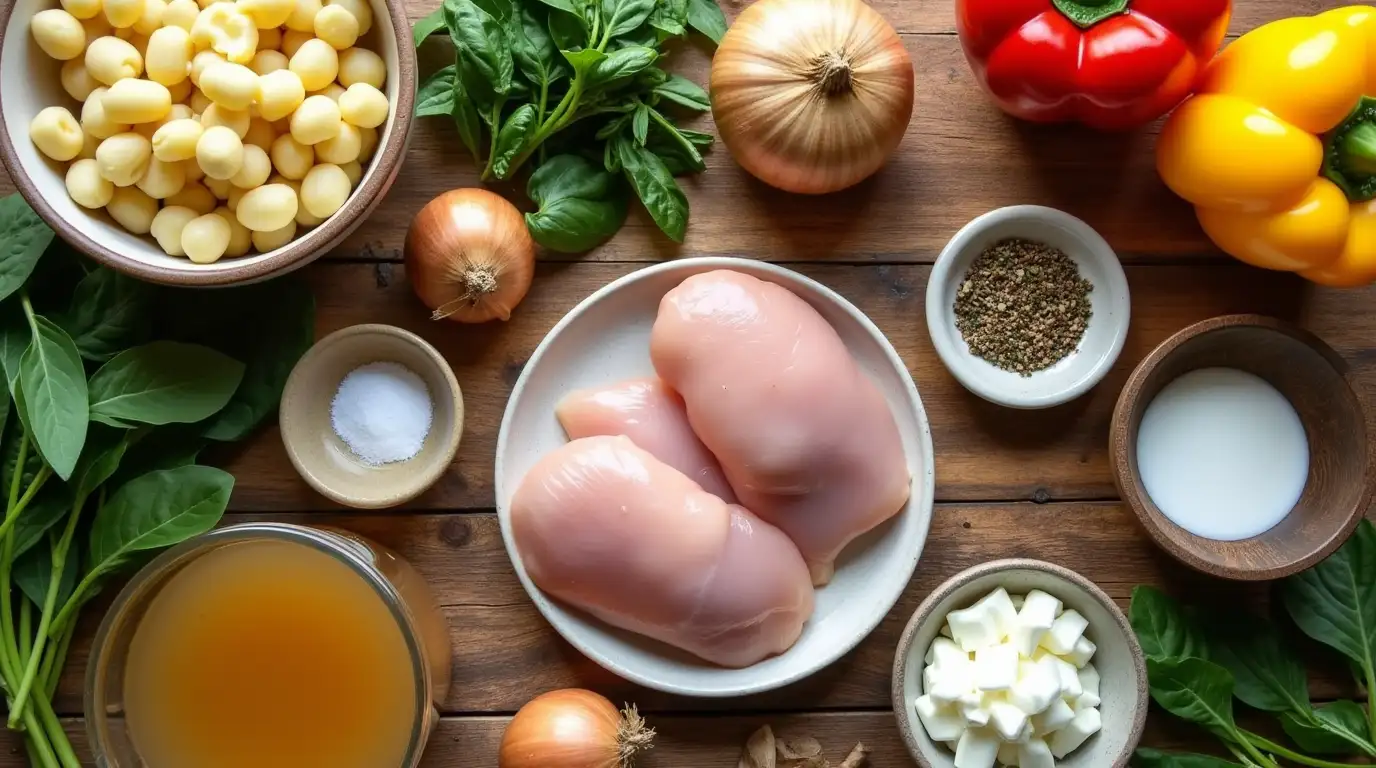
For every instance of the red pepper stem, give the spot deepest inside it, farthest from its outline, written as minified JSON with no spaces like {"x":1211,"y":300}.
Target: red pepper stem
{"x":1087,"y":13}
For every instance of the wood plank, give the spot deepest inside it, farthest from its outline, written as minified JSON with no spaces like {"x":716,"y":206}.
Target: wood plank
{"x":984,"y":452}
{"x":688,"y":742}
{"x":504,"y":652}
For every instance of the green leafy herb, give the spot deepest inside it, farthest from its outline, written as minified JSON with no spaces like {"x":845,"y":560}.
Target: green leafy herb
{"x":706,"y":17}
{"x":1162,"y":627}
{"x":23,"y":238}
{"x":685,"y":93}
{"x":581,"y":205}
{"x":55,"y":399}
{"x":157,"y":510}
{"x":1195,"y":690}
{"x":655,"y":186}
{"x":1266,"y":675}
{"x":108,"y":312}
{"x":165,"y":382}
{"x":1337,"y":728}
{"x":432,"y":23}
{"x":1151,"y":758}
{"x":436,"y":95}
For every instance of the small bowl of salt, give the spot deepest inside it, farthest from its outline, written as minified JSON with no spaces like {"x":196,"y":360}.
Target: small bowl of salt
{"x":371,"y":416}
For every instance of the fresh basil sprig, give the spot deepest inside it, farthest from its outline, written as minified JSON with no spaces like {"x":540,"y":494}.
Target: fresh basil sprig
{"x":582,"y":77}
{"x":1198,"y":665}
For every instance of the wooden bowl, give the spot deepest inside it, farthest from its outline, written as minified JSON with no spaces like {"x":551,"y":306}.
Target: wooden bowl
{"x":42,"y":181}
{"x":1318,"y":384}
{"x":1122,"y":667}
{"x":322,"y":458}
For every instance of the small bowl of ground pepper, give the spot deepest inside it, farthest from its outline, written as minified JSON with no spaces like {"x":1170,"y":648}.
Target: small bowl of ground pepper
{"x":1028,"y":307}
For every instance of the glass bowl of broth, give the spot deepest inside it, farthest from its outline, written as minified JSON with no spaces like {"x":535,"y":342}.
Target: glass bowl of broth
{"x":270,"y":645}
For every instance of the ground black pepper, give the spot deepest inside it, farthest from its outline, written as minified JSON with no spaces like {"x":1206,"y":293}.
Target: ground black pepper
{"x":1023,"y":306}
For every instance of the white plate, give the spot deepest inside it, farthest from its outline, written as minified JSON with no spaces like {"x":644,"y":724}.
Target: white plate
{"x":606,"y":338}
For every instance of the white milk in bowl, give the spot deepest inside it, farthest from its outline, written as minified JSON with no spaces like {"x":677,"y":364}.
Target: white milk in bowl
{"x":1222,"y":454}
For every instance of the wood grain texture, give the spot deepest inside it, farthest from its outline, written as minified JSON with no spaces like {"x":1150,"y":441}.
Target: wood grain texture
{"x":505,"y":653}
{"x":984,"y":452}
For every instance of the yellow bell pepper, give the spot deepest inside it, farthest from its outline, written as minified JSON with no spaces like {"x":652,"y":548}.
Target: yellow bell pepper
{"x":1277,"y":148}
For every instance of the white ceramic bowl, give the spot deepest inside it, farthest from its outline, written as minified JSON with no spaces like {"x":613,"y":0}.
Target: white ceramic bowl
{"x":31,"y":83}
{"x":1122,"y":668}
{"x":606,"y":338}
{"x":1103,"y":339}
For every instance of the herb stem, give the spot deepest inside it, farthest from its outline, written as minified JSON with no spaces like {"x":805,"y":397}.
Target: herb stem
{"x":41,"y":750}
{"x":9,"y":652}
{"x":54,"y":659}
{"x":544,"y":100}
{"x":56,"y":736}
{"x":25,"y":628}
{"x":1238,"y":753}
{"x":550,"y":126}
{"x":59,"y":562}
{"x":673,"y":132}
{"x":495,"y":126}
{"x":1290,"y":754}
{"x":35,"y":485}
{"x":1243,"y":740}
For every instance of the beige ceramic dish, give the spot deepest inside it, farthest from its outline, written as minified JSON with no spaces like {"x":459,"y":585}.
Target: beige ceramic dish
{"x":31,"y":84}
{"x":324,"y":460}
{"x":1119,"y":659}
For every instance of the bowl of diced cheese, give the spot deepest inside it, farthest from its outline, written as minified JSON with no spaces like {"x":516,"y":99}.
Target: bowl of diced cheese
{"x":1023,"y":664}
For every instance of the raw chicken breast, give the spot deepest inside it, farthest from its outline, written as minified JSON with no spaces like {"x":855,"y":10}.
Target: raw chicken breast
{"x":606,"y":527}
{"x":805,"y":438}
{"x":652,"y":415}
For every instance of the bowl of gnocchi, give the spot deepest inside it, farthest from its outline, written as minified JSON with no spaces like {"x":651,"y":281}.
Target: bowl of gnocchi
{"x":205,"y":142}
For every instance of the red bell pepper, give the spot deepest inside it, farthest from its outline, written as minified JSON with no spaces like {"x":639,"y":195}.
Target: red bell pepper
{"x":1110,"y":64}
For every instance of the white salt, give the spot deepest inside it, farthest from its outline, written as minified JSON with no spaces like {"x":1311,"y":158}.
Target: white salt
{"x":382,"y":411}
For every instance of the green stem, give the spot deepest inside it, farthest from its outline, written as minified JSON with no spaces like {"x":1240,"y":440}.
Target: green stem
{"x":1242,"y":739}
{"x":74,"y":603}
{"x":9,"y":652}
{"x":54,"y":660}
{"x":42,"y":751}
{"x":1290,"y":754}
{"x":35,"y":485}
{"x":551,"y":125}
{"x":57,"y":737}
{"x":673,"y":132}
{"x":49,"y":605}
{"x":544,"y":99}
{"x":1237,"y":753}
{"x":25,"y":628}
{"x":1087,"y":13}
{"x":1349,"y":152}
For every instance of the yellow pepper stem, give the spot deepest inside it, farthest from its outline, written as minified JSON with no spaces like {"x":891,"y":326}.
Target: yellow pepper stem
{"x":1350,"y":153}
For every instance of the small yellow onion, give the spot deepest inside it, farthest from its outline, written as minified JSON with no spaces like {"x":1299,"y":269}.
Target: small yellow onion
{"x":811,"y":96}
{"x":573,"y":728}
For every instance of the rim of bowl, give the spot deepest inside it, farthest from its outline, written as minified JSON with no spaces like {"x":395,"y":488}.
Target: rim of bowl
{"x":1096,"y":247}
{"x":421,"y":481}
{"x":1120,"y":451}
{"x":926,"y":486}
{"x":923,"y":614}
{"x":299,"y":252}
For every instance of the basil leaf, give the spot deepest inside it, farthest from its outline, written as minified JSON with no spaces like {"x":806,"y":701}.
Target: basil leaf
{"x":157,"y":510}
{"x":108,"y":312}
{"x":680,"y":156}
{"x":625,"y":16}
{"x":105,"y":447}
{"x":14,"y":339}
{"x":1162,"y":627}
{"x":165,"y":382}
{"x":481,"y":41}
{"x":432,"y":23}
{"x":640,"y":124}
{"x":580,"y":204}
{"x":560,"y":5}
{"x":55,"y":399}
{"x":513,"y":138}
{"x":465,"y":113}
{"x":1335,"y":601}
{"x":501,"y":10}
{"x":9,"y":456}
{"x":533,"y":48}
{"x":1195,"y":690}
{"x":34,"y":571}
{"x":656,"y":188}
{"x":1338,"y":728}
{"x":619,"y":65}
{"x":610,"y":159}
{"x":1152,"y":758}
{"x":697,"y":138}
{"x":1266,"y":675}
{"x":436,"y":94}
{"x":613,"y":127}
{"x":707,"y":18}
{"x":153,"y":449}
{"x":568,"y":30}
{"x":583,"y":61}
{"x":670,"y":17}
{"x":685,"y":93}
{"x":23,"y":238}
{"x":50,"y":507}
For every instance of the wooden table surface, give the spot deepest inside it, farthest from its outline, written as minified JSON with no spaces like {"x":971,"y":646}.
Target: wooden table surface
{"x":1009,"y":483}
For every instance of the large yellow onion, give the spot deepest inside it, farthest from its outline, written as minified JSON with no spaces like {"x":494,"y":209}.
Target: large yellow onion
{"x":811,"y":96}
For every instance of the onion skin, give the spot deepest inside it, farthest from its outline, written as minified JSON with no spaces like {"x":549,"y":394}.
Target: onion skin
{"x":571,"y":728}
{"x":469,"y":256}
{"x":811,"y":96}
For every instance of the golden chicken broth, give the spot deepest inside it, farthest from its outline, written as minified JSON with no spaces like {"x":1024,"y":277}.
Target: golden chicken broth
{"x":269,"y":653}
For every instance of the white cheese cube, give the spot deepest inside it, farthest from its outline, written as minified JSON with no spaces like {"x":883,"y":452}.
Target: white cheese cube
{"x":1038,"y":685}
{"x":983,"y":624}
{"x":996,"y":667}
{"x":1008,"y":754}
{"x":974,"y":708}
{"x":1065,"y":631}
{"x":1035,"y":754}
{"x":945,"y":652}
{"x":947,"y":684}
{"x":1089,"y":679}
{"x":942,"y":723}
{"x":977,"y":748}
{"x":1027,"y":732}
{"x":1087,"y":700}
{"x":1086,"y":723}
{"x":1056,"y":717}
{"x":1070,"y":678}
{"x":1034,"y":620}
{"x":1082,"y":652}
{"x":1007,"y":719}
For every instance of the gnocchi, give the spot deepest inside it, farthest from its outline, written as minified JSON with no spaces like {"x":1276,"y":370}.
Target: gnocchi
{"x":268,"y":207}
{"x":132,"y":209}
{"x":123,"y":158}
{"x":324,"y":190}
{"x":220,"y":152}
{"x":205,"y":239}
{"x":86,"y":186}
{"x":168,"y":59}
{"x":110,"y":59}
{"x":167,"y":228}
{"x":316,"y":120}
{"x":363,"y":105}
{"x":136,"y":101}
{"x":56,"y":133}
{"x":58,"y":33}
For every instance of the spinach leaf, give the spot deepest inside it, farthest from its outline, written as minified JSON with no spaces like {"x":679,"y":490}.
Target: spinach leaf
{"x":481,"y":41}
{"x":53,"y":381}
{"x":1162,"y":628}
{"x":50,"y":507}
{"x":685,"y":93}
{"x":1152,"y":758}
{"x":583,"y":61}
{"x":465,"y":112}
{"x":1195,"y":690}
{"x":156,"y":510}
{"x":1267,"y":676}
{"x":1335,"y":601}
{"x":670,"y":18}
{"x":619,"y":65}
{"x":580,"y":204}
{"x":501,"y":10}
{"x":533,"y":48}
{"x":568,"y":30}
{"x":436,"y":94}
{"x":23,"y":238}
{"x":165,"y":382}
{"x":707,"y":18}
{"x":432,"y":23}
{"x":152,"y":449}
{"x":105,"y":447}
{"x":14,"y":339}
{"x":33,"y":573}
{"x":656,"y":188}
{"x":108,"y":312}
{"x":1338,"y":728}
{"x":625,"y":16}
{"x":640,"y":124}
{"x":516,"y":133}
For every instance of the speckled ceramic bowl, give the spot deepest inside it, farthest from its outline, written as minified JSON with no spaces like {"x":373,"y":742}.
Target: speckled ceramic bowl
{"x":1119,"y":658}
{"x":32,"y":83}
